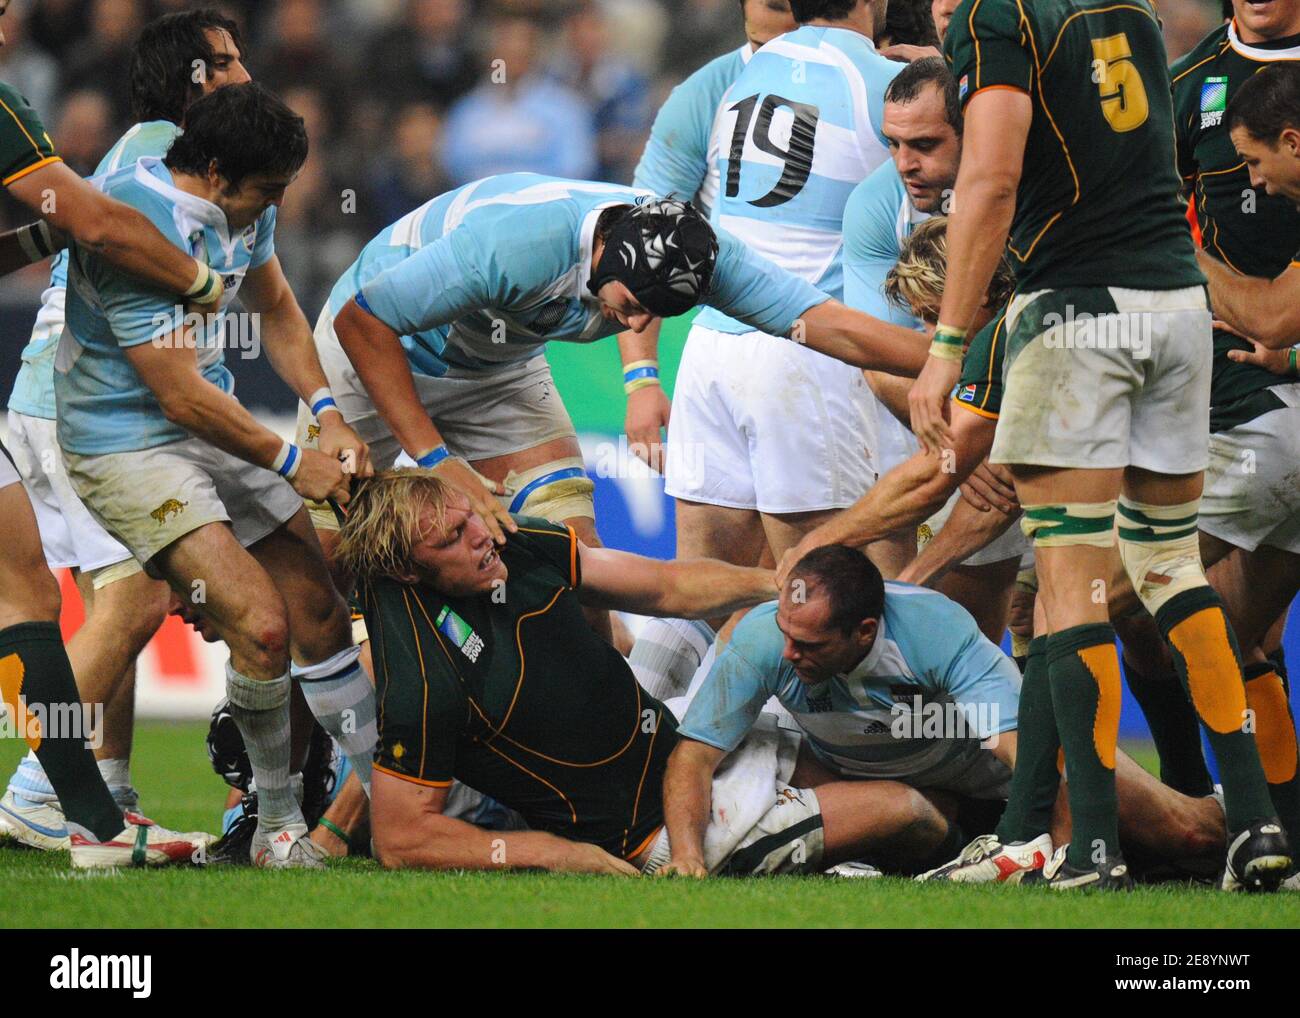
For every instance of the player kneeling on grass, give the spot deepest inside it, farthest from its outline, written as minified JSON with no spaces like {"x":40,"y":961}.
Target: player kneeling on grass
{"x":487,"y":672}
{"x":171,"y":464}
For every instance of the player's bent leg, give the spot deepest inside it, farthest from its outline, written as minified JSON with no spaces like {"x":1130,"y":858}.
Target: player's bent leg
{"x":887,"y":823}
{"x":326,"y":660}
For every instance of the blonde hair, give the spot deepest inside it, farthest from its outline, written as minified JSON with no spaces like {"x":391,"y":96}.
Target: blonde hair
{"x":383,"y":521}
{"x":915,"y":283}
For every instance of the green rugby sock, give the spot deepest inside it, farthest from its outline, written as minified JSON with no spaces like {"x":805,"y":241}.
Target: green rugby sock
{"x":1275,"y":736}
{"x":1209,"y":664}
{"x":1035,"y":781}
{"x":34,"y":665}
{"x":1174,"y":729}
{"x":1084,"y":670}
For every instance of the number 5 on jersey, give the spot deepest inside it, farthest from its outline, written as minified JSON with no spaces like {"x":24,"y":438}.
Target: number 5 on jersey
{"x":1123,"y":96}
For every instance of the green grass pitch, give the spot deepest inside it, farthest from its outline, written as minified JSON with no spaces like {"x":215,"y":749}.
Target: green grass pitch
{"x":179,"y":789}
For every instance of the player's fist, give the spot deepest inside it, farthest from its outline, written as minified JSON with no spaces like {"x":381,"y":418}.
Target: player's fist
{"x":341,"y":442}
{"x":481,"y":493}
{"x":321,"y":477}
{"x":693,"y":868}
{"x":928,"y":403}
{"x":648,"y":409}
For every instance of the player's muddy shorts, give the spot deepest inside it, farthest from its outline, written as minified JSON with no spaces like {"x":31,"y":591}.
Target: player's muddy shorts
{"x":763,"y":423}
{"x":149,"y":498}
{"x":1252,"y":485}
{"x":1107,"y":377}
{"x":760,"y":824}
{"x":480,"y":414}
{"x":69,"y":534}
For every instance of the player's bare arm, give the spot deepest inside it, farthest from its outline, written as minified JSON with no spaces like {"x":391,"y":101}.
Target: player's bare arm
{"x":169,"y":367}
{"x":648,"y":407}
{"x":1266,"y":310}
{"x":411,"y":831}
{"x":997,"y":127}
{"x":861,"y":340}
{"x":375,"y":351}
{"x":688,"y":801}
{"x":905,"y":496}
{"x":122,"y":235}
{"x":287,"y":339}
{"x":682,"y":588}
{"x":967,"y":531}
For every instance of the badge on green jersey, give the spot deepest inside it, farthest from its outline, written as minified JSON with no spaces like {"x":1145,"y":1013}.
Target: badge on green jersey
{"x":1214,"y":100}
{"x":459,"y":632}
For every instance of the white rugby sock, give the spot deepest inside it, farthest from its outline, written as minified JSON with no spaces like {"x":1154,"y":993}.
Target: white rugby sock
{"x":116,"y":773}
{"x":261,"y":712}
{"x":29,"y":781}
{"x":666,"y":654}
{"x":340,"y":695}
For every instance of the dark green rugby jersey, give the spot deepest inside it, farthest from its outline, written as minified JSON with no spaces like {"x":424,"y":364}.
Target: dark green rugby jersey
{"x":1098,"y":199}
{"x":514,"y":694}
{"x":24,"y":143}
{"x":1248,"y":230}
{"x":980,"y":387}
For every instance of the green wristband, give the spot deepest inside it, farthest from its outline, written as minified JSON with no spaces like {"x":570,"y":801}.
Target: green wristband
{"x":337,"y":831}
{"x":1292,"y":367}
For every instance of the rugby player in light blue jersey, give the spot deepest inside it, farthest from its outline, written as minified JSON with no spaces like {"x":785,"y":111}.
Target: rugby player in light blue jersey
{"x":767,"y":438}
{"x":124,"y":606}
{"x":885,"y":680}
{"x":171,"y":464}
{"x":891,"y":683}
{"x":678,"y":161}
{"x":433,"y":339}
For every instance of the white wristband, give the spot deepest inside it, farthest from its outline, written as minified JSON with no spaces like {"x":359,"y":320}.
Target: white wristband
{"x":287,"y":461}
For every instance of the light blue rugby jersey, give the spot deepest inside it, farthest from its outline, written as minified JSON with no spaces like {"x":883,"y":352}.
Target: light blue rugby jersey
{"x":103,"y":405}
{"x":799,"y":130}
{"x":927,"y":646}
{"x":678,"y":159}
{"x":488,"y":273}
{"x":33,"y":393}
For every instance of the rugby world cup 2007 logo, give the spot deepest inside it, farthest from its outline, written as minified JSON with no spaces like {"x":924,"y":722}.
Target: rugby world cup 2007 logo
{"x":1214,"y":100}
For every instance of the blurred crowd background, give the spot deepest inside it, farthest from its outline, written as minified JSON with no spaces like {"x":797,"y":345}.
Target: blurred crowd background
{"x":405,"y":98}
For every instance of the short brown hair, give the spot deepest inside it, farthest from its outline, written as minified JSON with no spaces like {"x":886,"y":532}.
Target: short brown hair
{"x":383,"y":521}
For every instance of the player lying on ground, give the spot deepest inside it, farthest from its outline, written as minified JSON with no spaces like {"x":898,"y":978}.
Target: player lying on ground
{"x":34,"y":666}
{"x":177,"y":470}
{"x":890,"y":683}
{"x":1144,"y":439}
{"x":488,"y":673}
{"x":124,"y":606}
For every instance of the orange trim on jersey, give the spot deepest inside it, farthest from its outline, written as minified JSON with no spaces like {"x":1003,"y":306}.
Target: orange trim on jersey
{"x":994,"y":88}
{"x":31,"y":169}
{"x":1212,"y":56}
{"x":23,"y":127}
{"x":519,"y":642}
{"x":970,"y":23}
{"x":649,"y":753}
{"x":645,"y":844}
{"x":1243,"y":53}
{"x":419,"y":656}
{"x":975,"y":410}
{"x":1093,"y":10}
{"x":572,"y":812}
{"x":573,"y":556}
{"x":406,"y":777}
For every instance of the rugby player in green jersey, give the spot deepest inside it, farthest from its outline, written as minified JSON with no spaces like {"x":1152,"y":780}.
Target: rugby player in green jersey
{"x":1069,"y":167}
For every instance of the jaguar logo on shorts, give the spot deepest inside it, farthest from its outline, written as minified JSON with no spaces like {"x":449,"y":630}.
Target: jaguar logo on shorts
{"x":789,"y":795}
{"x":924,"y":534}
{"x":313,"y":432}
{"x":172,"y":507}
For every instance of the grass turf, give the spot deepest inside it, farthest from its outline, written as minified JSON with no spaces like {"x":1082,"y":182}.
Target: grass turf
{"x":180,"y":790}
